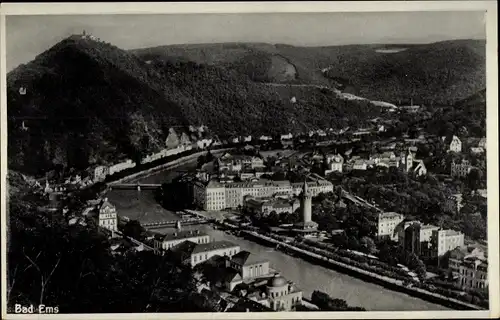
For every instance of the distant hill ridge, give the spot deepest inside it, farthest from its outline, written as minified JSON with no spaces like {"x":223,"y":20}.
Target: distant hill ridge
{"x":440,"y":73}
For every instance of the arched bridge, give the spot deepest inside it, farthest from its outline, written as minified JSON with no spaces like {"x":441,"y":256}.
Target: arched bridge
{"x":135,"y":186}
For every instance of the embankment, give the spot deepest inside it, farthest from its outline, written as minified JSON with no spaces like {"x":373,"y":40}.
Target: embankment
{"x":364,"y":275}
{"x":165,"y":166}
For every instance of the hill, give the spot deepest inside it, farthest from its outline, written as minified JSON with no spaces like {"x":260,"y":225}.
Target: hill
{"x":84,"y":102}
{"x":436,"y":73}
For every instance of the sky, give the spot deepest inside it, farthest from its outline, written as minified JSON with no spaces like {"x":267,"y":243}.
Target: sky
{"x":28,"y":36}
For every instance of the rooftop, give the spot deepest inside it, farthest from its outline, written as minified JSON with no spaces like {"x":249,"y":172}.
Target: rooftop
{"x":389,"y":215}
{"x":183,"y":235}
{"x":246,"y":258}
{"x":212,"y":246}
{"x":429,"y":226}
{"x":450,"y":233}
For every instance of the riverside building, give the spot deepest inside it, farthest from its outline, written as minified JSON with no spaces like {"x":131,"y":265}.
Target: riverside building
{"x":216,"y":196}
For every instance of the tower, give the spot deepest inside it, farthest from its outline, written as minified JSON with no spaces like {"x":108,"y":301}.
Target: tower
{"x":409,"y":160}
{"x":306,"y":204}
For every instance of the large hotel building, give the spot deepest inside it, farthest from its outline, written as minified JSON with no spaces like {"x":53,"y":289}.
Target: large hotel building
{"x":214,"y":196}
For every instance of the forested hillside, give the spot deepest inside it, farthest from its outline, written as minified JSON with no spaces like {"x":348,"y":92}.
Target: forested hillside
{"x":90,"y":102}
{"x":436,"y":73}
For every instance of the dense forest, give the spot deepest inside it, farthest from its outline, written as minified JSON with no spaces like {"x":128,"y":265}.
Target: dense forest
{"x":72,"y":266}
{"x":436,"y":73}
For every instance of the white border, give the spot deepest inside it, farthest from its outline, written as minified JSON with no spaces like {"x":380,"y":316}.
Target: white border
{"x":266,"y":7}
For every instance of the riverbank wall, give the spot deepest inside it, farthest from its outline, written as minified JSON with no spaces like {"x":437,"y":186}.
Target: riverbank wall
{"x":364,"y":275}
{"x":165,"y":166}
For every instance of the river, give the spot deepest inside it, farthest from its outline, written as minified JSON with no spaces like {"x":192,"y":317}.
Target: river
{"x":309,"y":277}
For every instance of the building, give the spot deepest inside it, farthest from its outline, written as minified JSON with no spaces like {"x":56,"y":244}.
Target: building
{"x":237,"y":163}
{"x":482,"y":192}
{"x":265,"y":138}
{"x":443,"y":241}
{"x":213,"y":196}
{"x":108,"y":217}
{"x":282,"y":295}
{"x":127,"y":164}
{"x":306,"y":224}
{"x":173,"y":239}
{"x":334,"y":163}
{"x":360,"y":164}
{"x":477,"y":150}
{"x":419,"y":168}
{"x":461,"y":169}
{"x":455,"y":145}
{"x":192,"y":253}
{"x":411,"y":238}
{"x":268,"y":205}
{"x":276,"y":293}
{"x":173,"y":140}
{"x":425,"y":239}
{"x":245,"y":267}
{"x":469,"y":267}
{"x":288,"y":136}
{"x":387,"y":223}
{"x":473,"y":273}
{"x":407,"y":238}
{"x":100,"y":173}
{"x":482,"y":143}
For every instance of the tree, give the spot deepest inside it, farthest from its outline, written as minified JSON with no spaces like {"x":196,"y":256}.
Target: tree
{"x":273,"y":219}
{"x":326,"y":303}
{"x":53,"y":263}
{"x":134,"y":230}
{"x":368,"y":245}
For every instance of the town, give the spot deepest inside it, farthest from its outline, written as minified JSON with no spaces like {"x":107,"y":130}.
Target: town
{"x":248,"y":164}
{"x":252,"y":191}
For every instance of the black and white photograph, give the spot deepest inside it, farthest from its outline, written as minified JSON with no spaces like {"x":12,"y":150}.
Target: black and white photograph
{"x":249,"y":162}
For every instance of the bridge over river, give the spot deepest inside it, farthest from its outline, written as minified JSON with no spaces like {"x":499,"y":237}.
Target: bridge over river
{"x":173,"y":223}
{"x":134,"y":186}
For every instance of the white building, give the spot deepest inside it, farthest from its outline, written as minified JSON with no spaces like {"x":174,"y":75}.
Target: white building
{"x":477,"y":150}
{"x":173,"y":239}
{"x":108,"y":217}
{"x":455,"y":145}
{"x":194,"y":253}
{"x":265,"y":138}
{"x":127,"y":164}
{"x":387,"y":223}
{"x":100,"y":173}
{"x":360,"y":164}
{"x":443,"y":241}
{"x":204,"y":143}
{"x":215,"y":196}
{"x":334,"y":163}
{"x":288,"y":136}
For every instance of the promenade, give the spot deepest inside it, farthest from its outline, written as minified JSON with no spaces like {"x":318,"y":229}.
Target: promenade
{"x":388,"y":282}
